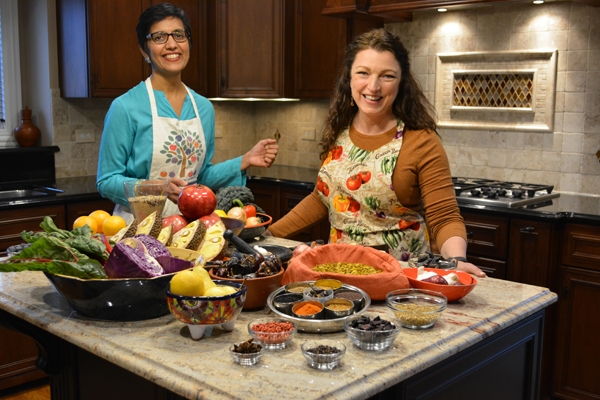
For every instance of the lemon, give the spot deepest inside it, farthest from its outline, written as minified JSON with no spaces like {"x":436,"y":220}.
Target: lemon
{"x":221,"y":213}
{"x":187,"y":283}
{"x":219,"y":291}
{"x":85,"y":220}
{"x":99,"y":216}
{"x":112,"y":225}
{"x":208,"y":282}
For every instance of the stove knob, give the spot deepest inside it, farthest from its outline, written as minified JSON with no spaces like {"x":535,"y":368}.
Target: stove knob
{"x":492,"y":195}
{"x":502,"y":192}
{"x":517,"y":194}
{"x":475,"y":192}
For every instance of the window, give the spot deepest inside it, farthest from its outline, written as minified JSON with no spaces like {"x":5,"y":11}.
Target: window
{"x":10,"y":77}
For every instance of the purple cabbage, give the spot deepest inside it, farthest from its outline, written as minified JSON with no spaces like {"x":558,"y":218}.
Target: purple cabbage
{"x":172,"y":264}
{"x":154,"y":247}
{"x":129,"y":262}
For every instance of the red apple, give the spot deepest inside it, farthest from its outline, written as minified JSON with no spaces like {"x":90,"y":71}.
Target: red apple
{"x":178,"y":221}
{"x":196,"y":201}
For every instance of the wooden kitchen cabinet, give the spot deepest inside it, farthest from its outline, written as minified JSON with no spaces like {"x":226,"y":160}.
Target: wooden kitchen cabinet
{"x":487,"y":238}
{"x":577,"y":350}
{"x":100,"y":58}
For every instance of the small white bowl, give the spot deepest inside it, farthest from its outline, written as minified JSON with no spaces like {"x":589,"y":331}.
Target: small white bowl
{"x":246,"y":359}
{"x":325,"y":362}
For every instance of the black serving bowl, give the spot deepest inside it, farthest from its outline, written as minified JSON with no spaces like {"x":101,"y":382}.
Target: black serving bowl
{"x":127,"y":299}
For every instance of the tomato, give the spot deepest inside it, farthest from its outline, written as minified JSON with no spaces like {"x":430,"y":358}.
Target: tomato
{"x":325,"y":190}
{"x":353,"y":182}
{"x":354,"y":206}
{"x":336,"y":152}
{"x":365,"y":176}
{"x":250,"y":211}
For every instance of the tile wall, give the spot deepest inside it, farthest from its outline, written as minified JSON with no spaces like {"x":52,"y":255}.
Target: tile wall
{"x":565,"y":158}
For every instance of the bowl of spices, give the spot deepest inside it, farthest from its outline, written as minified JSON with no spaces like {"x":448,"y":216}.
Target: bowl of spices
{"x":416,"y":308}
{"x":272,"y":333}
{"x":308,"y":309}
{"x":323,"y":354}
{"x":285,"y":301}
{"x":338,"y":308}
{"x":371,"y":332}
{"x":356,"y":297}
{"x":297,"y":287}
{"x":333,"y":284}
{"x":317,"y":294}
{"x":246,"y":353}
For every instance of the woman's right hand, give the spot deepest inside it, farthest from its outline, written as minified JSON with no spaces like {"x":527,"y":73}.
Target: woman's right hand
{"x":301,"y":248}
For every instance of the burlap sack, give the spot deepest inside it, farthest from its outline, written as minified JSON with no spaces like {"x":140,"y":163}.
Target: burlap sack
{"x":376,"y":286}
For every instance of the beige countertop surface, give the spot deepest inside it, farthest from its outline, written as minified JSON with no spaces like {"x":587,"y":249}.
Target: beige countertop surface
{"x":161,"y":350}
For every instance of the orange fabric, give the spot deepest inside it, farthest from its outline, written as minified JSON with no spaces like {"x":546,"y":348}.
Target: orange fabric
{"x":376,"y":286}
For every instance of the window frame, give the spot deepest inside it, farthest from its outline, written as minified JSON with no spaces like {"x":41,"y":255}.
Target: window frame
{"x":12,"y":71}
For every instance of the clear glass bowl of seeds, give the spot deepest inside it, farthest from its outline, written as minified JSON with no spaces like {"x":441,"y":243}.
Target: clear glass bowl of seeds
{"x":246,"y":353}
{"x":416,"y":308}
{"x":371,"y":331}
{"x":146,"y":196}
{"x":272,"y":333}
{"x":323,"y":354}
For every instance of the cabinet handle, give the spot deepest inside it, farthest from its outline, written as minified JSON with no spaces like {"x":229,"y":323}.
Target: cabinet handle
{"x":565,"y":290}
{"x":527,"y":229}
{"x":470,"y":234}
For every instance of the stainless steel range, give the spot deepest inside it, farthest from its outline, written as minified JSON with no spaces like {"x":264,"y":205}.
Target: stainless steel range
{"x":501,"y":193}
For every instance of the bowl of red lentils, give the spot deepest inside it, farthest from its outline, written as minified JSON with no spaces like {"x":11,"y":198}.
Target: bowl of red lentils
{"x":272,"y":333}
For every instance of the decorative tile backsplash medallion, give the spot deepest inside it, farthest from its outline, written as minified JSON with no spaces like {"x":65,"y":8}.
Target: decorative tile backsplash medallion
{"x":498,"y":91}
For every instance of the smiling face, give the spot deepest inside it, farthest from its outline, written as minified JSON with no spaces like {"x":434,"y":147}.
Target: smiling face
{"x":170,"y":58}
{"x":375,"y":80}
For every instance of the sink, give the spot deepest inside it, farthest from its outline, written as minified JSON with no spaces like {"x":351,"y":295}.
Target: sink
{"x":17,"y":194}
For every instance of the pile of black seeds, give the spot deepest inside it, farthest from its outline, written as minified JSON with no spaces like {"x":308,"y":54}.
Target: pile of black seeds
{"x":323,"y":349}
{"x":247,"y":347}
{"x":365,"y":323}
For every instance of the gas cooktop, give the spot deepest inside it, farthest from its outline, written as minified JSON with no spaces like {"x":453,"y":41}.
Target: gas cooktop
{"x":502,"y":193}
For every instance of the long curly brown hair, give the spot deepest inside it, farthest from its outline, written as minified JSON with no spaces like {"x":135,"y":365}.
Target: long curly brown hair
{"x":411,"y":106}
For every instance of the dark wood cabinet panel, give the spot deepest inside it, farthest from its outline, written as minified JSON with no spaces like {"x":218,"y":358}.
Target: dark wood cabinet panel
{"x":13,"y":222}
{"x":267,"y":197}
{"x":581,"y":246}
{"x":493,"y":268}
{"x":18,"y":354}
{"x":487,"y":236}
{"x":577,"y":350}
{"x":533,"y":252}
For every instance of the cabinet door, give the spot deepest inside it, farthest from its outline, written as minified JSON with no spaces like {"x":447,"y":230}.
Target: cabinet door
{"x":533,"y":253}
{"x":289,"y":199}
{"x":18,"y":354}
{"x":581,"y":246}
{"x":248,"y":48}
{"x":13,"y":222}
{"x":266,"y":196}
{"x":577,"y":350}
{"x":487,"y":236}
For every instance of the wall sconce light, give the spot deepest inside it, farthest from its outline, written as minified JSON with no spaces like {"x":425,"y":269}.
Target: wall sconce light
{"x":538,"y":1}
{"x":442,"y":9}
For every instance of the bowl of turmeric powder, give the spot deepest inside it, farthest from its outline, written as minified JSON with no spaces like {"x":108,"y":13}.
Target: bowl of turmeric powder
{"x":308,"y":309}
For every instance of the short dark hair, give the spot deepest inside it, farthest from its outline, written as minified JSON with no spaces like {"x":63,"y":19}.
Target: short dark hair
{"x":157,"y":13}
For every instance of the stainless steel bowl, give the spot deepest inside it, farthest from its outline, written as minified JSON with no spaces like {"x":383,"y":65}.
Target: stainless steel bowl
{"x":320,"y":325}
{"x":338,"y":308}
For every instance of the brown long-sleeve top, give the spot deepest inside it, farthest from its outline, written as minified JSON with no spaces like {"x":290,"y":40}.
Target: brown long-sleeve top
{"x":421,"y":179}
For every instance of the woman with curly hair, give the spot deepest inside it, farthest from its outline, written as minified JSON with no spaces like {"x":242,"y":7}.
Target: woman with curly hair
{"x":385,"y":179}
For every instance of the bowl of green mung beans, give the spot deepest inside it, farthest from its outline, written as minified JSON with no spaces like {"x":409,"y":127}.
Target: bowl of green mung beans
{"x":416,"y":308}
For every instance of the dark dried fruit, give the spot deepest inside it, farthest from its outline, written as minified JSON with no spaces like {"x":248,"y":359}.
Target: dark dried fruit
{"x":323,"y":349}
{"x":247,"y":347}
{"x":365,"y":323}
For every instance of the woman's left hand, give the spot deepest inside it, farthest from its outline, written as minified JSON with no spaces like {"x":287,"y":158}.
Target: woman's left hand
{"x":471,"y":269}
{"x":261,"y":155}
{"x":175,"y":186}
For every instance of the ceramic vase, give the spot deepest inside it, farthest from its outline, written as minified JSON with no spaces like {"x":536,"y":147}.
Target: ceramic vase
{"x":27,"y":134}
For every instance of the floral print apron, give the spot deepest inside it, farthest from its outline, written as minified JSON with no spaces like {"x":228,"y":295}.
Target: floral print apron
{"x":356,"y":186}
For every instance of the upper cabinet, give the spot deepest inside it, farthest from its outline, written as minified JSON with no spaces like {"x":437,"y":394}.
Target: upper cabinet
{"x":98,"y":53}
{"x":240,"y":48}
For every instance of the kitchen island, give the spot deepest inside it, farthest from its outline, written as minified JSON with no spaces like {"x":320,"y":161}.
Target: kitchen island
{"x":487,"y":343}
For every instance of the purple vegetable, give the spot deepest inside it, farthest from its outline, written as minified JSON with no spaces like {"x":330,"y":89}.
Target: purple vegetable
{"x":154,"y":247}
{"x":128,"y":262}
{"x":436,"y":279}
{"x":173,"y":264}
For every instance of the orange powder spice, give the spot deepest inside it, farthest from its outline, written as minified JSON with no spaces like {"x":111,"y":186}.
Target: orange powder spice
{"x":307,"y":309}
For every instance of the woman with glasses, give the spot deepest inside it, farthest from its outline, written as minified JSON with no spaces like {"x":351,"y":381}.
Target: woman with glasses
{"x":161,"y":129}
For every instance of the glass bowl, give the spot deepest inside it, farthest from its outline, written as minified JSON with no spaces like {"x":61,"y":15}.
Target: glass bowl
{"x":372,"y":339}
{"x":311,"y":349}
{"x":272,"y":333}
{"x":416,"y":308}
{"x":146,"y":196}
{"x":246,"y":359}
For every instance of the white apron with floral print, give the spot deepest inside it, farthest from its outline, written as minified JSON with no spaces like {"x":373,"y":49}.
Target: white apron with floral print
{"x":356,"y":185}
{"x":178,"y":150}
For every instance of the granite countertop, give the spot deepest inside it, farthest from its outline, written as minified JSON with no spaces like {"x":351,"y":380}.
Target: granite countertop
{"x":162,"y":351}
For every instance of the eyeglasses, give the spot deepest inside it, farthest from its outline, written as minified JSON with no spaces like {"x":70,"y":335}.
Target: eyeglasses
{"x":163,"y":37}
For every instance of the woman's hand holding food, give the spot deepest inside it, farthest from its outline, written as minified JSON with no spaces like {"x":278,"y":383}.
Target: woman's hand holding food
{"x":175,"y":186}
{"x":261,"y":155}
{"x":470,"y":268}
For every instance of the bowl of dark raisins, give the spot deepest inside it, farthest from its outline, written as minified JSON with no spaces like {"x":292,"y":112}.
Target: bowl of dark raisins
{"x":372,"y":332}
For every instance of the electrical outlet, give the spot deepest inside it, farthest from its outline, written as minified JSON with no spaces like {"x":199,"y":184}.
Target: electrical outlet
{"x":85,"y":136}
{"x":309,"y":134}
{"x":218,"y":131}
